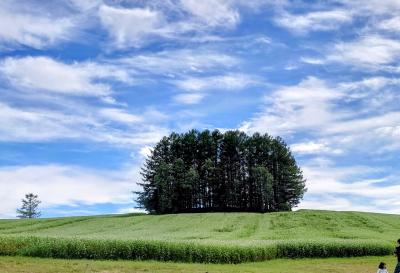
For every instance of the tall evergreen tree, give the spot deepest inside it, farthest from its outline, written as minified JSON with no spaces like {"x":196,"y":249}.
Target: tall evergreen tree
{"x":214,"y":171}
{"x":29,"y":208}
{"x":263,"y":189}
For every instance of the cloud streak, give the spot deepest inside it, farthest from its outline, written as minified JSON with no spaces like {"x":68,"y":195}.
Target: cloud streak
{"x":47,"y":74}
{"x":59,"y":185}
{"x":314,"y":21}
{"x":21,"y":28}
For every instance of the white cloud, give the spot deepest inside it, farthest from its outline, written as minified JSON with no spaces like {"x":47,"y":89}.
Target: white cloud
{"x":392,"y":24}
{"x":364,"y":124}
{"x":189,"y":98}
{"x":47,"y":74}
{"x":129,"y":27}
{"x":328,"y":202}
{"x":372,"y":83}
{"x":188,"y":20}
{"x":313,"y":147}
{"x":223,"y":82}
{"x":131,"y":210}
{"x":306,"y":106}
{"x":83,"y":124}
{"x":372,"y":7}
{"x":145,"y":151}
{"x":118,"y":115}
{"x":390,"y":131}
{"x":213,"y":12}
{"x":314,"y":21}
{"x":336,"y":120}
{"x":326,"y":117}
{"x":331,"y":203}
{"x":336,"y":188}
{"x":64,"y":185}
{"x":371,"y":51}
{"x":172,"y":62}
{"x":310,"y":60}
{"x":328,"y":179}
{"x":19,"y":27}
{"x":32,"y":125}
{"x":85,"y":5}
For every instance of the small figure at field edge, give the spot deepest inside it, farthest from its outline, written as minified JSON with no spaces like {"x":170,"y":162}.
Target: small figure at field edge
{"x":397,"y":253}
{"x":382,"y":268}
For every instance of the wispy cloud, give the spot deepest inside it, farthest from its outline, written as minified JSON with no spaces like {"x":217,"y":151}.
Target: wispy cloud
{"x":120,"y":115}
{"x":20,"y":27}
{"x":392,"y":24}
{"x":128,"y":27}
{"x":306,"y":106}
{"x":189,"y":21}
{"x":182,"y":61}
{"x":311,"y":60}
{"x":318,"y":109}
{"x":64,"y":185}
{"x":312,"y":147}
{"x":224,"y":82}
{"x":328,"y":184}
{"x":213,"y":12}
{"x":340,"y":119}
{"x":47,"y":74}
{"x":370,"y":51}
{"x":41,"y":124}
{"x":189,"y":98}
{"x":314,"y":21}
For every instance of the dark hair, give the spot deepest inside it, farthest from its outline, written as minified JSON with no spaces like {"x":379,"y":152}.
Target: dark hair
{"x":398,"y":241}
{"x":382,"y":265}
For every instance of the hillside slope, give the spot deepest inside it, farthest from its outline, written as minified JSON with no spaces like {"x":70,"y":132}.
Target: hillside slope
{"x":240,"y":228}
{"x":206,"y":237}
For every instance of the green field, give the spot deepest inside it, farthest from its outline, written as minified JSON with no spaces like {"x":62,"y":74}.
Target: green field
{"x":205,"y":237}
{"x":331,"y":265}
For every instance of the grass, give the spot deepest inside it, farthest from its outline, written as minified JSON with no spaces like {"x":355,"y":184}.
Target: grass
{"x":330,"y":265}
{"x":205,"y":237}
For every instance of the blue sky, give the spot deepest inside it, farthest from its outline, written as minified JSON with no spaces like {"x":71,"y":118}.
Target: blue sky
{"x":87,"y":87}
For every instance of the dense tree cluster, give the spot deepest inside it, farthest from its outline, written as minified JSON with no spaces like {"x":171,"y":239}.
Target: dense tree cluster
{"x":214,"y":171}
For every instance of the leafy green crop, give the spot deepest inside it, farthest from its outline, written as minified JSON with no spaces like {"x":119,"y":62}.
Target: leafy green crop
{"x":183,"y":252}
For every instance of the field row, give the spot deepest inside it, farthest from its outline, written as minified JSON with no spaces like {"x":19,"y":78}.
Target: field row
{"x":71,"y":248}
{"x":331,"y":265}
{"x":210,"y":227}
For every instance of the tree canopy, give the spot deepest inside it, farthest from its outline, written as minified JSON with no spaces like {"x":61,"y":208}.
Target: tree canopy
{"x":29,"y":208}
{"x":214,"y":171}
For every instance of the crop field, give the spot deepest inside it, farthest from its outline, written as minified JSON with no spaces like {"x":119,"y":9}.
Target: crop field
{"x":331,"y":265}
{"x":205,"y":237}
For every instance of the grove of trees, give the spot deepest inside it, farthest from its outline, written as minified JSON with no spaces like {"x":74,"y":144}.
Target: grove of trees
{"x":214,"y":171}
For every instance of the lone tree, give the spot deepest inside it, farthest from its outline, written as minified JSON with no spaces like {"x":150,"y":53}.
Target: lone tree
{"x":29,"y":207}
{"x":214,"y":171}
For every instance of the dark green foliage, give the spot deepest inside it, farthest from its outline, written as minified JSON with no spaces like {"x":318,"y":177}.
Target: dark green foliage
{"x":332,"y":248}
{"x":74,"y":248}
{"x":213,"y":171}
{"x":29,"y":207}
{"x":132,"y":250}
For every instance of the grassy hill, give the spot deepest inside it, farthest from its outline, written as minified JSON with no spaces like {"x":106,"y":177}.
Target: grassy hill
{"x":303,"y":233}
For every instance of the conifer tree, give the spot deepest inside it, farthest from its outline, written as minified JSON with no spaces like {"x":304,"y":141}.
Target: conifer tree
{"x":29,"y":208}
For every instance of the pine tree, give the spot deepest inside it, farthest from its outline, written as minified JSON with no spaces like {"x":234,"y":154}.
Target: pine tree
{"x":263,"y":193}
{"x":29,"y":207}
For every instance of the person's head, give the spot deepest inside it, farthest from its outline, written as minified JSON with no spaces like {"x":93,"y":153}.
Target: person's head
{"x":398,"y":242}
{"x":382,"y":265}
